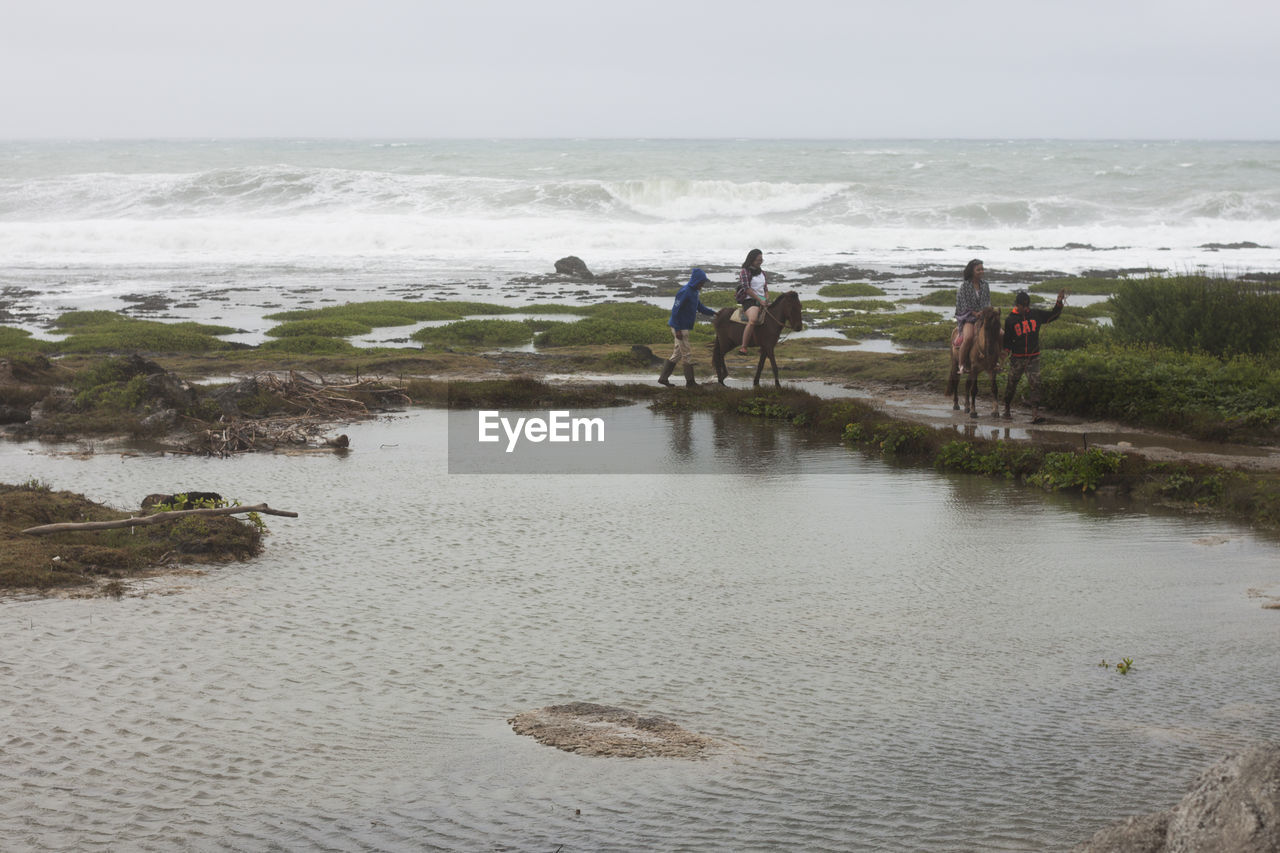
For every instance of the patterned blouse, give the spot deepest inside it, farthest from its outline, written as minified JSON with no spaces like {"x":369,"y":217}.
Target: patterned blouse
{"x":970,"y":303}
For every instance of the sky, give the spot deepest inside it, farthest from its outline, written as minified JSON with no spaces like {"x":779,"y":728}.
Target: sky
{"x":593,"y":68}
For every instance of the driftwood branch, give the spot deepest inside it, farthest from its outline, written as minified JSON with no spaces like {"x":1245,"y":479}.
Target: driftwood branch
{"x":143,"y":520}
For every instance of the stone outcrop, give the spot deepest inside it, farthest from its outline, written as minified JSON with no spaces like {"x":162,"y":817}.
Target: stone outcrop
{"x":573,"y":266}
{"x":1234,"y":806}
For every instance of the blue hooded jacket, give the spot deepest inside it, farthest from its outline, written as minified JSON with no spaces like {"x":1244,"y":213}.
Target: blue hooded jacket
{"x":687,"y":305}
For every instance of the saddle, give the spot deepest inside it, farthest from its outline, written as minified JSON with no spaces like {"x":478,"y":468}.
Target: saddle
{"x":736,"y":317}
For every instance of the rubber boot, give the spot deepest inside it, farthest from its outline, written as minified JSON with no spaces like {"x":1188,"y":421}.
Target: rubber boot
{"x":1007,"y":416}
{"x":666,"y":373}
{"x":688,"y":377}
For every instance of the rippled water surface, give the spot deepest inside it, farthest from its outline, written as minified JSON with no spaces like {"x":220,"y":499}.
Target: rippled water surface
{"x":900,"y":660}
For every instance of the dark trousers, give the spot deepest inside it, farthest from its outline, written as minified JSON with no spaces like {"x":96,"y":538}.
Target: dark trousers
{"x":1029,"y":365}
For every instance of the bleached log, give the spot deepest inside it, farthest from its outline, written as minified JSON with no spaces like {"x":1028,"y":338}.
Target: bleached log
{"x":143,"y":520}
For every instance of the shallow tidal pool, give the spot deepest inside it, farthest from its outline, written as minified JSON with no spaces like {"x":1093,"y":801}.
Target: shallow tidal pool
{"x":894,"y":659}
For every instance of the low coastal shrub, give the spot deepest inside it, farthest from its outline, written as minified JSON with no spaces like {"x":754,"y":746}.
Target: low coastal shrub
{"x":1199,"y":314}
{"x":1069,"y":470}
{"x":1198,"y":394}
{"x":1004,"y":459}
{"x":1064,"y":335}
{"x":892,"y":438}
{"x":477,"y":333}
{"x":852,"y":288}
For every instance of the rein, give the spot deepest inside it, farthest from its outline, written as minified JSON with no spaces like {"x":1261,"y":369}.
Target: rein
{"x":784,"y":331}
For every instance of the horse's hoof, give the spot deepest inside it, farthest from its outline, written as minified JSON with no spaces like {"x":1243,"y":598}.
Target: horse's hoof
{"x":955,"y":407}
{"x":973,"y":415}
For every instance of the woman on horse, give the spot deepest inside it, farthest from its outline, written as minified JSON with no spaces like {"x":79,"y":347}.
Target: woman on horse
{"x":971,"y":297}
{"x":752,"y":294}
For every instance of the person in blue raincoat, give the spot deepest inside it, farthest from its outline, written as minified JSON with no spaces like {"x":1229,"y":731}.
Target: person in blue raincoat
{"x":684,"y":311}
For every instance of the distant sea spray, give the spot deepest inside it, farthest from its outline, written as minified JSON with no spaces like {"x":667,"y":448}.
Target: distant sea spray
{"x":624,"y":201}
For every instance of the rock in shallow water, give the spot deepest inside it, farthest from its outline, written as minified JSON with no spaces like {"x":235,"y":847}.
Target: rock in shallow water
{"x":601,"y":730}
{"x":1234,"y":806}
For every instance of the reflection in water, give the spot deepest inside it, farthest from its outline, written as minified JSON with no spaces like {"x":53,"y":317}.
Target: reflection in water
{"x":906,"y":660}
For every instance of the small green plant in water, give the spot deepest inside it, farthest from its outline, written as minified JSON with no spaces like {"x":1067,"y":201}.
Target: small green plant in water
{"x":1124,"y":666}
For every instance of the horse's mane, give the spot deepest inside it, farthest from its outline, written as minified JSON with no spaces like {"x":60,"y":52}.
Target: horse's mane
{"x":987,"y":340}
{"x":790,"y":293}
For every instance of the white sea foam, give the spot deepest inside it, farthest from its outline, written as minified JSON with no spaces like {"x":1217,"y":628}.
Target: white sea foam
{"x":411,"y":204}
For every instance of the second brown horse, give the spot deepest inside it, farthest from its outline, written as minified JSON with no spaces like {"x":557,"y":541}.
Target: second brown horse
{"x":984,"y":357}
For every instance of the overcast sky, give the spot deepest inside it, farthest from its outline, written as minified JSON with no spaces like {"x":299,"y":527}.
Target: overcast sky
{"x":664,"y":68}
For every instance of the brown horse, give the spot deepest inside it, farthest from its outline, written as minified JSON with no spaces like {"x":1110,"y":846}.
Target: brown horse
{"x":783,"y":313}
{"x":984,"y":357}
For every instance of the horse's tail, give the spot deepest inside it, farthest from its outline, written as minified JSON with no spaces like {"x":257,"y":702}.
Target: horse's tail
{"x":953,"y":383}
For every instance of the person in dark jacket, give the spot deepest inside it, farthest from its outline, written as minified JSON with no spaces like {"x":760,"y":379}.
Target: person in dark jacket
{"x":686,"y":308}
{"x":1022,"y":342}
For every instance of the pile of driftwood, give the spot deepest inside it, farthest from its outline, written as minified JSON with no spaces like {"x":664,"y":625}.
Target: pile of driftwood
{"x":241,"y":435}
{"x":331,"y":400}
{"x":311,"y":407}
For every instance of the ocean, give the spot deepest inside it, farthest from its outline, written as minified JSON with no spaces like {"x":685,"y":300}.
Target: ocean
{"x":84,"y":223}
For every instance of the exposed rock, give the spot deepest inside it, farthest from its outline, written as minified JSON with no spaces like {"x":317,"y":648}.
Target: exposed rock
{"x":14,"y":415}
{"x":644,"y":356}
{"x":175,"y":393}
{"x":601,"y":730}
{"x":159,"y":421}
{"x":574,"y":266}
{"x":228,"y":398}
{"x":1247,"y":244}
{"x":1233,"y":806}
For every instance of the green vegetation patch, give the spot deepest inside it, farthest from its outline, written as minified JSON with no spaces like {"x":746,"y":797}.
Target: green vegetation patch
{"x":940,"y":298}
{"x":852,"y":288}
{"x":310,"y":345}
{"x":602,"y":331}
{"x":923,"y":334}
{"x":326,"y":327}
{"x":718,"y":298}
{"x":108,"y":331}
{"x":94,"y":559}
{"x":14,"y":340}
{"x":392,"y":312}
{"x":477,"y":333}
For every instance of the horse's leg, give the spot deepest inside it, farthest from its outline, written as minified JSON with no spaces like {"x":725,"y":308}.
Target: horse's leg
{"x":995,"y":395}
{"x":971,"y":394}
{"x":759,"y":368}
{"x":773,"y":362}
{"x":953,"y":381}
{"x":717,"y":359}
